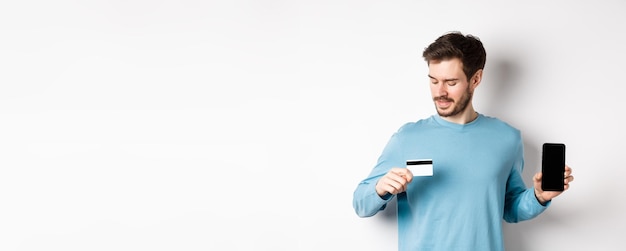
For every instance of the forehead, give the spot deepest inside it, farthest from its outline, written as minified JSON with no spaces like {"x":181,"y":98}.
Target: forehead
{"x":446,"y":69}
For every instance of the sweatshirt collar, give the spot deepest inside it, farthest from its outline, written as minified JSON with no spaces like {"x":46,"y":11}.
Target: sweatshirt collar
{"x":449,"y":124}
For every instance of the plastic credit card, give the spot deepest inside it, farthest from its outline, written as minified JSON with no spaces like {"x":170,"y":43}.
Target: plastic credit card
{"x":420,"y":167}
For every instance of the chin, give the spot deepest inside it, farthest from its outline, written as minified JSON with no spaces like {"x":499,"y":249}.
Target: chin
{"x":444,"y":113}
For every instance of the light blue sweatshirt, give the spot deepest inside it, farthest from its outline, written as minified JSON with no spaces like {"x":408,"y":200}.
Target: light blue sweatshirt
{"x":476,"y":183}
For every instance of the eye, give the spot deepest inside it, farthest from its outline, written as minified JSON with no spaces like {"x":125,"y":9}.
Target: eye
{"x":452,"y":83}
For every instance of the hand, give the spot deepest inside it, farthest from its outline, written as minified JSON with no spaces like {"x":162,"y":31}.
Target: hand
{"x":394,"y":182}
{"x":545,"y":196}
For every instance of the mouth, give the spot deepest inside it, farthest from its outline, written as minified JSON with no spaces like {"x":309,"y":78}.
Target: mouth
{"x":443,"y":102}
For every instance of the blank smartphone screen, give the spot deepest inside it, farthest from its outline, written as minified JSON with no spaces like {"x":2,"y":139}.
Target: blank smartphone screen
{"x":553,"y":166}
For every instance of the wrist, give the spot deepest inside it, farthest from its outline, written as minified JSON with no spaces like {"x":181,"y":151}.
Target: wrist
{"x":540,"y":199}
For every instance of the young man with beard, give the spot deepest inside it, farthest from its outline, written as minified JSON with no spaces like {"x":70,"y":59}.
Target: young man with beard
{"x":477,"y":164}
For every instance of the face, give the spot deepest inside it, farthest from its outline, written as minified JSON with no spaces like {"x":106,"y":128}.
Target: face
{"x":449,"y":87}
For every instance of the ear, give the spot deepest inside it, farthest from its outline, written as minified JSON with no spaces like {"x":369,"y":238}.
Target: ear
{"x":475,"y":81}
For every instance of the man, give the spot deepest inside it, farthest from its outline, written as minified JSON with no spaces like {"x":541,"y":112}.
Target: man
{"x":477,"y":164}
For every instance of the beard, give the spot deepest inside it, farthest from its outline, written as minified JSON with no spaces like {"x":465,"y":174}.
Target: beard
{"x":457,"y":107}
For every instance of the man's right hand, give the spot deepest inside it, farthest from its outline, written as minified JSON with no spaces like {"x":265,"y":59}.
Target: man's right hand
{"x":394,"y":182}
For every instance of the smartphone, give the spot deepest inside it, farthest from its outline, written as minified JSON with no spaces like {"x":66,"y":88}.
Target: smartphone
{"x":553,"y":166}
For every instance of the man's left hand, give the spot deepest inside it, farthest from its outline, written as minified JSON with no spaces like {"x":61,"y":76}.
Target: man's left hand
{"x":545,"y":196}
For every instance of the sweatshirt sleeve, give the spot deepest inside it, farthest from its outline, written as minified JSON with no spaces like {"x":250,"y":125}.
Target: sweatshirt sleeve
{"x":520,"y":202}
{"x":366,"y":201}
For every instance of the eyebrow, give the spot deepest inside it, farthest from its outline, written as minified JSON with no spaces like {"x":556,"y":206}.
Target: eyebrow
{"x":445,"y":80}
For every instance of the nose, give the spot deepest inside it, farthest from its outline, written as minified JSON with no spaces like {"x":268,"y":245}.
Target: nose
{"x":442,"y":90}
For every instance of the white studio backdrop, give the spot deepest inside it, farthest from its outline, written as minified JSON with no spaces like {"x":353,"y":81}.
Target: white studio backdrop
{"x":246,"y":125}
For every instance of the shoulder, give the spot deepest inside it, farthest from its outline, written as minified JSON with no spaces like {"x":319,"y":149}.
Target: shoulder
{"x":500,"y":126}
{"x":415,"y":126}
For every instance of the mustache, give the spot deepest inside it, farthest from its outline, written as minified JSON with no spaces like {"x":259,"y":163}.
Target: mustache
{"x":443,"y":98}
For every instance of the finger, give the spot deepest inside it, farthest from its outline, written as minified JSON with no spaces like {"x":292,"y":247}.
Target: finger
{"x":408,"y":176}
{"x":395,"y":184}
{"x":568,"y":171}
{"x":390,"y":189}
{"x":403,"y":173}
{"x":398,"y":177}
{"x":400,"y":187}
{"x":386,"y":186}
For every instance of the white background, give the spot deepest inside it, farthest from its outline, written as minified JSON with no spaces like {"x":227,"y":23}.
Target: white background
{"x":246,"y":125}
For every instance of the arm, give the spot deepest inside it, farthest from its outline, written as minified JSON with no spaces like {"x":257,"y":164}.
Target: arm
{"x":524,"y":204}
{"x":366,"y":201}
{"x":375,"y":192}
{"x":384,"y":181}
{"x":520,"y":203}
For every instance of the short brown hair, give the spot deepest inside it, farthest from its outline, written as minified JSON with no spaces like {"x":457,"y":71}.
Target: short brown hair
{"x":467,"y":48}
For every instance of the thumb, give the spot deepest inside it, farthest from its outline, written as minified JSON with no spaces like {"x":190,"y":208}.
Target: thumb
{"x":537,"y":180}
